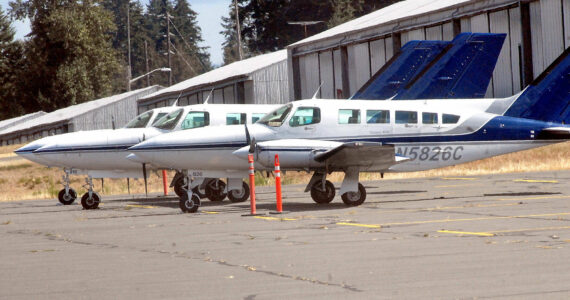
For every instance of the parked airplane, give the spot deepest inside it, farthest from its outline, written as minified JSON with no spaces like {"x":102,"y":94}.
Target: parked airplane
{"x":325,"y":136}
{"x":102,"y":153}
{"x":468,"y":52}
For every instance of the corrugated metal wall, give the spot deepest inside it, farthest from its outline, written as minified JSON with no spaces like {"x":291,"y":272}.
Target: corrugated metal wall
{"x":121,"y":111}
{"x":549,"y":23}
{"x":270,"y":84}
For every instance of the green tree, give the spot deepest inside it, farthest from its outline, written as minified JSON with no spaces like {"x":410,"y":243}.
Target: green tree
{"x":69,"y":55}
{"x":230,"y":44}
{"x":11,"y":61}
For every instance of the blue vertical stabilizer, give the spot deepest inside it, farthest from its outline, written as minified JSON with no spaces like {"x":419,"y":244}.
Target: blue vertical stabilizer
{"x":461,"y":68}
{"x":398,"y":71}
{"x":463,"y":72}
{"x":547,"y":98}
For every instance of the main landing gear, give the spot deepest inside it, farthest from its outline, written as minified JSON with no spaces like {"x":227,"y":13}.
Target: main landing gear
{"x":213,"y":189}
{"x":67,"y":195}
{"x":91,"y":199}
{"x":323,"y":191}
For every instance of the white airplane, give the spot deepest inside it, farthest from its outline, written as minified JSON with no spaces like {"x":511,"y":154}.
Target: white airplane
{"x":356,"y":136}
{"x":102,"y":153}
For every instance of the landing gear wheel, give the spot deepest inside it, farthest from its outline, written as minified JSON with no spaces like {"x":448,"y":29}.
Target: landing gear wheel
{"x":189,"y":206}
{"x":215,"y":190}
{"x":67,"y":199}
{"x":236,"y":196}
{"x":354,"y":198}
{"x":90,"y":202}
{"x":320,"y":196}
{"x":180,"y":188}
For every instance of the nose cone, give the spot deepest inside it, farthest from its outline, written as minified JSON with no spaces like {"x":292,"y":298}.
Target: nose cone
{"x":242,"y":152}
{"x":27,"y":151}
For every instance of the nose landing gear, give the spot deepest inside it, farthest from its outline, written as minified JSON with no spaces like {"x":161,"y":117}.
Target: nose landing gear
{"x":67,"y":195}
{"x":189,"y":202}
{"x":91,"y":199}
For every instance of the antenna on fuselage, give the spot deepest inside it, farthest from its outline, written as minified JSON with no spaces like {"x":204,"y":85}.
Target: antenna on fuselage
{"x":209,"y":95}
{"x":318,"y":90}
{"x":176,"y":101}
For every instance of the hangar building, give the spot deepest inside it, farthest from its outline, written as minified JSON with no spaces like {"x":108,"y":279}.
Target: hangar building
{"x":258,"y":80}
{"x":344,"y":57}
{"x":96,"y":114}
{"x":17,"y":120}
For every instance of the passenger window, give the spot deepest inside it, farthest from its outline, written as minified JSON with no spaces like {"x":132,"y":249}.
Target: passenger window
{"x":196,"y":119}
{"x":256,"y":117}
{"x":429,"y":118}
{"x":305,"y":116}
{"x":349,"y":116}
{"x":377,"y":116}
{"x":406,"y":117}
{"x":450,"y":119}
{"x":235,"y":118}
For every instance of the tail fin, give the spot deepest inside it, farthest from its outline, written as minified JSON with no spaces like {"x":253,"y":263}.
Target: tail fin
{"x":412,"y":58}
{"x":463,"y":72}
{"x":547,"y":98}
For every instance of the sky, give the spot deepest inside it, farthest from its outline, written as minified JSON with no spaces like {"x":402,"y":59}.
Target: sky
{"x":209,"y":17}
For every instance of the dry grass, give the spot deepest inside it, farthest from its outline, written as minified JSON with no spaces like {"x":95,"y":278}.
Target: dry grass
{"x":21,"y":179}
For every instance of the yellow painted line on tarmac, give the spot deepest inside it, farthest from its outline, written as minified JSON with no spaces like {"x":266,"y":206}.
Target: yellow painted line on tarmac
{"x":274,"y":218}
{"x":535,"y":181}
{"x":467,"y":233}
{"x":458,"y":178}
{"x":533,"y":198}
{"x":210,"y":212}
{"x":140,"y":206}
{"x":359,"y":225}
{"x":475,"y":219}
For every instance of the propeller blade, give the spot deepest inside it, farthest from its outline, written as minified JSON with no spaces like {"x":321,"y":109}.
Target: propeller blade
{"x":252,"y":146}
{"x":247,"y":137}
{"x":145,"y":180}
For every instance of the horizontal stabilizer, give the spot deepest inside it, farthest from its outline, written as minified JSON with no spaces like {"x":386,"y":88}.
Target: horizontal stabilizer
{"x":554,"y":133}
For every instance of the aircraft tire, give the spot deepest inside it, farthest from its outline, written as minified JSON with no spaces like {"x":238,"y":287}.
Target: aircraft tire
{"x":236,"y":196}
{"x":90,"y":202}
{"x":67,"y":199}
{"x":355,"y":199}
{"x":216,"y":193}
{"x":189,"y":206}
{"x":320,"y":196}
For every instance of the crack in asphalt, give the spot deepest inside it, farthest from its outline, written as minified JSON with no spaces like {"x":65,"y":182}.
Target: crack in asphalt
{"x":250,"y":268}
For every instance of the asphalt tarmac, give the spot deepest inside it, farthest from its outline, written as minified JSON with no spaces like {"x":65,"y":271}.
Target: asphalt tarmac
{"x":495,"y":236}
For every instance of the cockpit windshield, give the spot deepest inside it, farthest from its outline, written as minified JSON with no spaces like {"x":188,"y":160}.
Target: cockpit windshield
{"x":169,"y":122}
{"x":140,"y":121}
{"x":276,"y":117}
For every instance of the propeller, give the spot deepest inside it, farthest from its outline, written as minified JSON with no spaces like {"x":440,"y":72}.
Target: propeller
{"x":144,"y":173}
{"x":250,"y":141}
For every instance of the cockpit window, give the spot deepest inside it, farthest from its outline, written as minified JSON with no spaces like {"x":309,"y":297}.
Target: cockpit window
{"x":276,"y":117}
{"x":305,"y":116}
{"x":195,"y":119}
{"x":158,"y":117}
{"x":140,"y":121}
{"x":168,"y":122}
{"x":449,"y":119}
{"x":256,"y":117}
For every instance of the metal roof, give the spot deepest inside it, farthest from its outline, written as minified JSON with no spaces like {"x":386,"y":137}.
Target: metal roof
{"x":234,"y":70}
{"x":11,"y":122}
{"x":71,"y":112}
{"x":389,"y":14}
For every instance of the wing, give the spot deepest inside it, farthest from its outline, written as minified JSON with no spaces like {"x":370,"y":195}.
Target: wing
{"x":365,"y":155}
